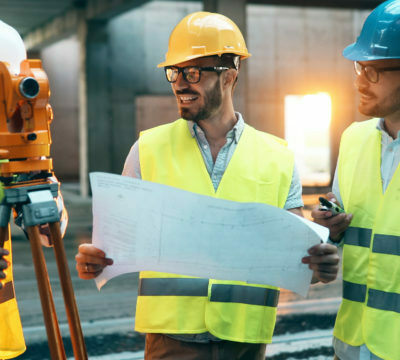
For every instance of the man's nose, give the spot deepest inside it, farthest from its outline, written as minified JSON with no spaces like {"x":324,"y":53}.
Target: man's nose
{"x":361,"y":82}
{"x":180,"y":83}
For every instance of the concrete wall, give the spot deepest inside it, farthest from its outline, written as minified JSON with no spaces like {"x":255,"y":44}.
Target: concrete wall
{"x":298,"y":51}
{"x":60,"y":61}
{"x":295,"y":51}
{"x":138,"y":41}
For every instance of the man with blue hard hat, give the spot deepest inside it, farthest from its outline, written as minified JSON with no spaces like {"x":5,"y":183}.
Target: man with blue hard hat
{"x":367,"y":183}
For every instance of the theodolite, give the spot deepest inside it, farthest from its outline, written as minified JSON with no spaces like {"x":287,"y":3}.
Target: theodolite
{"x":26,"y":171}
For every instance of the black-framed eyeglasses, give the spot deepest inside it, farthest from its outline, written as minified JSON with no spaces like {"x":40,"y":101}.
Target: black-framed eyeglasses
{"x":191,"y":74}
{"x":371,"y":72}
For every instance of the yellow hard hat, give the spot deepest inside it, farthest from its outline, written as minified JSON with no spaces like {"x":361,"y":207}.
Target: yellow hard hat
{"x":204,"y":34}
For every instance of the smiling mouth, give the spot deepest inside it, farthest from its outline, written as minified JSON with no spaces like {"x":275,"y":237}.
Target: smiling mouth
{"x":187,"y":99}
{"x":365,"y":97}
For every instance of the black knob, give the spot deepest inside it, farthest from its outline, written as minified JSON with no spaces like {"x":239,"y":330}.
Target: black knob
{"x":29,"y":87}
{"x":31,"y":136}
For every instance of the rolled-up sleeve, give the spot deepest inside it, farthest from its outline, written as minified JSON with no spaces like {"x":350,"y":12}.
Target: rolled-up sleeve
{"x":294,"y":199}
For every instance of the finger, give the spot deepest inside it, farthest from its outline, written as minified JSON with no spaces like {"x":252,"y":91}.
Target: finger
{"x":324,"y":268}
{"x":89,"y":249}
{"x":4,"y":252}
{"x":322,"y":249}
{"x":335,"y":220}
{"x":340,"y":219}
{"x":317,"y":213}
{"x":330,"y":272}
{"x":324,"y":277}
{"x":337,"y":230}
{"x":3,"y":264}
{"x":329,"y":260}
{"x":325,"y":259}
{"x":90,"y":268}
{"x":88,"y":276}
{"x":329,"y":221}
{"x":331,"y":196}
{"x":90,"y":259}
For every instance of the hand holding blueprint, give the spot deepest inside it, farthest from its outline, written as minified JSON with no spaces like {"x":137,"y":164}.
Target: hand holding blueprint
{"x":147,"y":226}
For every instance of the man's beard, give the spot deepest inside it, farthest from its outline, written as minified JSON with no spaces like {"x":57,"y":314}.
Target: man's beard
{"x":212,"y":101}
{"x":379,"y":108}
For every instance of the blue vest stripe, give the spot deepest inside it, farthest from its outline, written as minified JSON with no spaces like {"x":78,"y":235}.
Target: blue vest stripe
{"x":358,"y":236}
{"x":386,"y":244}
{"x":250,"y":295}
{"x":353,"y":291}
{"x":383,"y":300}
{"x":6,"y":292}
{"x":173,"y":287}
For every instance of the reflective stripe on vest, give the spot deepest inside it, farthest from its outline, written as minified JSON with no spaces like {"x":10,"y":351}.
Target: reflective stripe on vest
{"x":199,"y":287}
{"x":383,"y":300}
{"x":386,"y":244}
{"x":244,"y":294}
{"x":376,"y":299}
{"x":353,"y":291}
{"x":173,"y":287}
{"x":383,"y":244}
{"x":7,"y":292}
{"x":357,"y":236}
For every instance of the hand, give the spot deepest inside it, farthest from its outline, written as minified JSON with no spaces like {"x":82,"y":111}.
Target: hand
{"x":3,"y":264}
{"x":90,"y":261}
{"x":323,"y":259}
{"x":336,"y":224}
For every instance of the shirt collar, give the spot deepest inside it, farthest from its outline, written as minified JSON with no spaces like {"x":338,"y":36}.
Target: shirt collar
{"x":381,"y":127}
{"x":236,"y":131}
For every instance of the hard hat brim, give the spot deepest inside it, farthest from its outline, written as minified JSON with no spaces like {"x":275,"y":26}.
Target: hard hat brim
{"x":356,"y":53}
{"x":187,"y":58}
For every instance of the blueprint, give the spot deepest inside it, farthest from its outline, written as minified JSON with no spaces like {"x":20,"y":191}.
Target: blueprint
{"x":147,"y":226}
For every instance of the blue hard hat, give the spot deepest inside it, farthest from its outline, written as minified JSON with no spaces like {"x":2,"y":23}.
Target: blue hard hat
{"x":380,"y":35}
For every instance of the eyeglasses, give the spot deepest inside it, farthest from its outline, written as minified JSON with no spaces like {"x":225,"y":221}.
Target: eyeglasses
{"x":371,"y":72}
{"x":191,"y":74}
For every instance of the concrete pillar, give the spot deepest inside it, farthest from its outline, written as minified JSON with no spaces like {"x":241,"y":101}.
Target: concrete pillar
{"x":95,"y":125}
{"x":236,"y":11}
{"x":112,"y":73}
{"x":83,"y":143}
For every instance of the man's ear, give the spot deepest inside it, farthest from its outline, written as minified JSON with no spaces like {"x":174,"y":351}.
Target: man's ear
{"x":230,"y":77}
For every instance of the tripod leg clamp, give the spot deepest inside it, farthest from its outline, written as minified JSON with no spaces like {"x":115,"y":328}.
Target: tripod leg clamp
{"x":40,"y":213}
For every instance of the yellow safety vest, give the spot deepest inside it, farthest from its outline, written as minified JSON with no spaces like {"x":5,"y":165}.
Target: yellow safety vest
{"x":12,"y":341}
{"x":370,"y":310}
{"x":260,"y":171}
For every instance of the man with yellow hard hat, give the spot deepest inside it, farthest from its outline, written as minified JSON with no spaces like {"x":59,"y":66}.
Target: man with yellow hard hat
{"x":210,"y":151}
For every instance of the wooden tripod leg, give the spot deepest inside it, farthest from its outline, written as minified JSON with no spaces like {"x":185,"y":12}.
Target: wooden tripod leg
{"x":78,"y":343}
{"x":56,"y":345}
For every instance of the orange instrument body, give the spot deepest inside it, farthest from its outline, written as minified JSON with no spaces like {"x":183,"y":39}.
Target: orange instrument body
{"x":25,"y":168}
{"x":25,"y":117}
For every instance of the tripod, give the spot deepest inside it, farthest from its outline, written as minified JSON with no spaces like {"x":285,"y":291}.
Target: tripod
{"x":36,"y":199}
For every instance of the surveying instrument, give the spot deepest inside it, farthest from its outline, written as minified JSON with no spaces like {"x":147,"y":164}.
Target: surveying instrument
{"x":25,"y":171}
